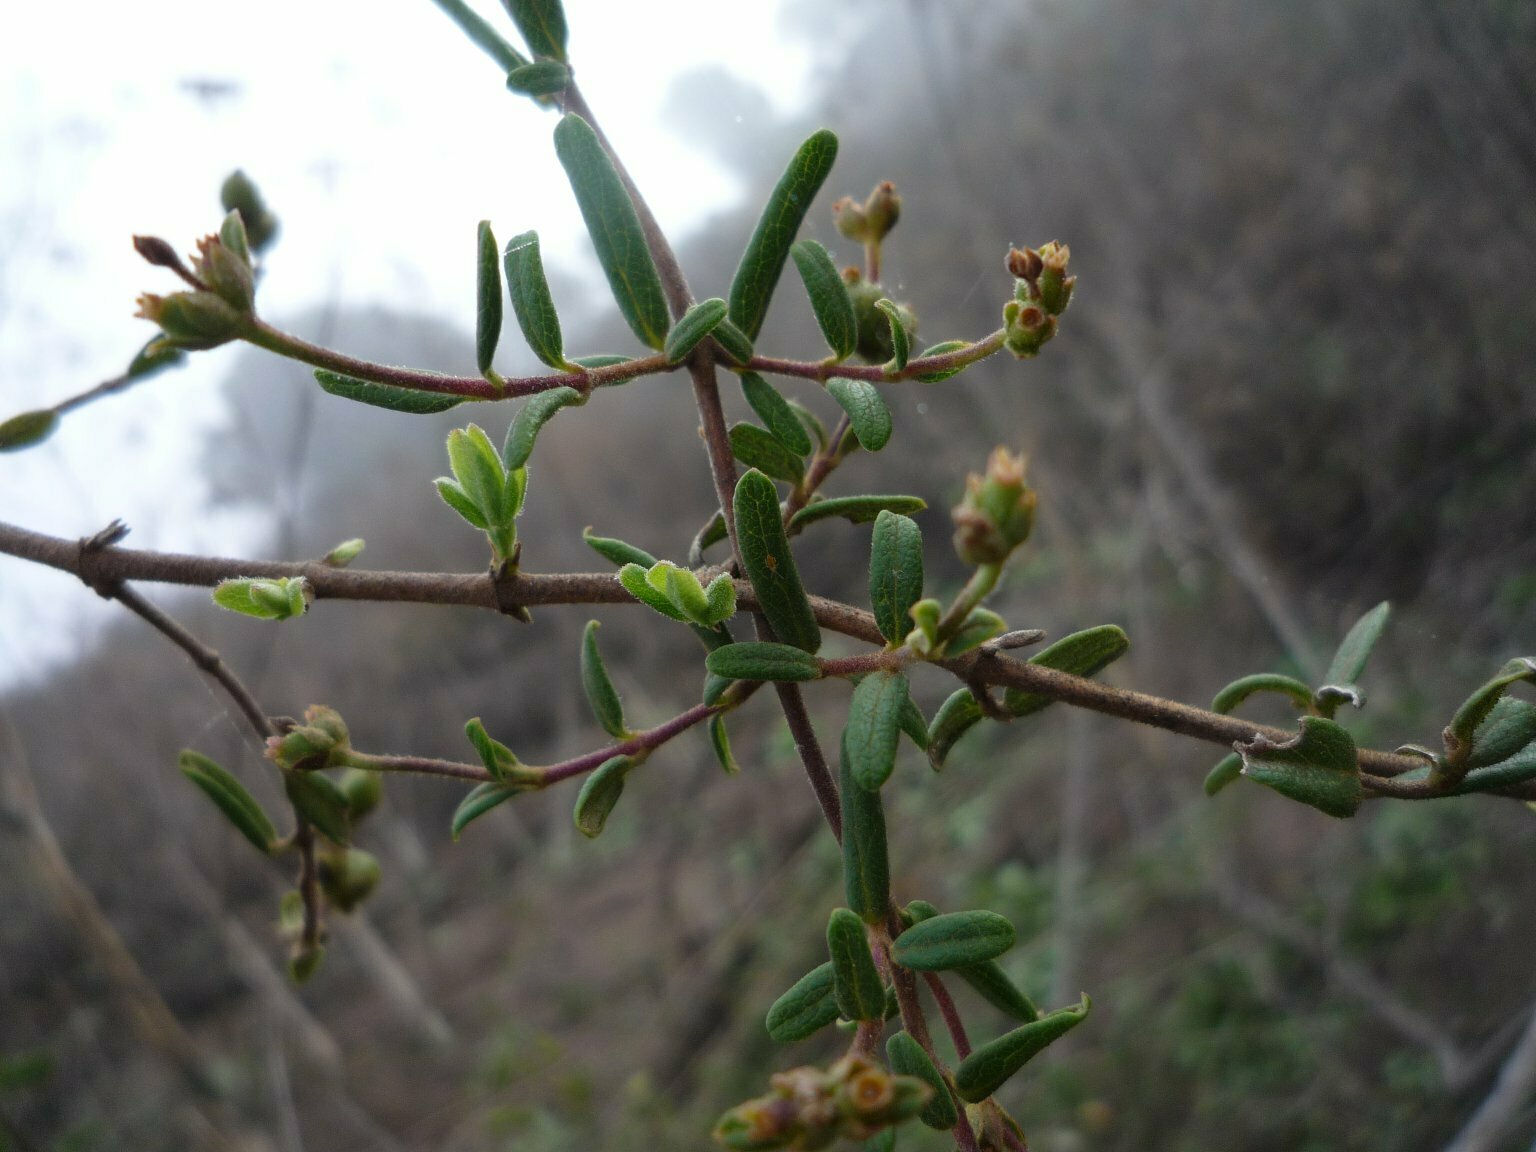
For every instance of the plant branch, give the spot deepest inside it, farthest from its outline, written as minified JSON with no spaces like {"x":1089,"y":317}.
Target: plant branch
{"x":951,"y":1014}
{"x":983,"y":666}
{"x":918,"y":366}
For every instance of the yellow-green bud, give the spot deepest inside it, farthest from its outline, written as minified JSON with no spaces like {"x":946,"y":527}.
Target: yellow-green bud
{"x":363,"y":790}
{"x":347,"y":876}
{"x":882,"y":210}
{"x":194,"y":321}
{"x":998,"y":511}
{"x":225,"y":271}
{"x":849,"y":216}
{"x":1055,"y":284}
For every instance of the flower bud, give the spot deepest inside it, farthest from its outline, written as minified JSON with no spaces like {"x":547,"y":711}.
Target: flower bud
{"x":997,"y":513}
{"x":1027,"y":327}
{"x":158,"y":252}
{"x":1055,"y":284}
{"x":874,"y":328}
{"x":304,"y":961}
{"x":347,"y":876}
{"x":363,"y":790}
{"x":194,"y":321}
{"x":239,"y":194}
{"x":225,"y":271}
{"x":849,"y":216}
{"x":882,"y":210}
{"x":1025,"y":264}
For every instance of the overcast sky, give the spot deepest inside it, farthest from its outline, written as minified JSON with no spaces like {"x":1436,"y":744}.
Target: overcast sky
{"x":380,"y":136}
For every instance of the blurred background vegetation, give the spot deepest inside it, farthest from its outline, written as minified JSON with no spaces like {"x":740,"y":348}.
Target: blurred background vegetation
{"x":1295,"y":381}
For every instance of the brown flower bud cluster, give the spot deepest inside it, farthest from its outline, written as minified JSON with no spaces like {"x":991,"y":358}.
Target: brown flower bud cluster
{"x":1041,"y":294}
{"x":811,"y":1108}
{"x":871,"y":221}
{"x":321,"y":741}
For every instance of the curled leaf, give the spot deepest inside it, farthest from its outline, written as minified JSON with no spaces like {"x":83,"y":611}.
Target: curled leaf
{"x":602,"y":697}
{"x":769,"y":564}
{"x":990,"y":1066}
{"x":1084,"y":653}
{"x":866,"y":408}
{"x":808,"y":1006}
{"x":599,"y":793}
{"x":1317,"y":767}
{"x":407,"y":400}
{"x":953,"y":940}
{"x":229,"y":795}
{"x":695,"y":324}
{"x":532,"y":303}
{"x":1239,"y":690}
{"x":531,"y":418}
{"x":480,"y":800}
{"x":829,"y":296}
{"x":775,"y":413}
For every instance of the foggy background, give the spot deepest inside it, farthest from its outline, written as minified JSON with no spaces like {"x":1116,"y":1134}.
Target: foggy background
{"x":1294,"y":381}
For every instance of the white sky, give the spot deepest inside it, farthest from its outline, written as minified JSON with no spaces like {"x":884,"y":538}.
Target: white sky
{"x":380,"y":136}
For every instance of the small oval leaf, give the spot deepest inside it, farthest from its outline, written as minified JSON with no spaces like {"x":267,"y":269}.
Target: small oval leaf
{"x":942,"y":349}
{"x":406,"y":400}
{"x":992,"y":984}
{"x":488,"y":299}
{"x":542,"y":23}
{"x":633,"y":577}
{"x":874,"y":727}
{"x":541,"y":78}
{"x":696,"y":323}
{"x":855,"y":979}
{"x":757,"y":660}
{"x":956,"y":716}
{"x":761,"y":264}
{"x":808,"y":1007}
{"x":764,"y":451}
{"x":532,"y":303}
{"x":895,"y":573}
{"x":601,"y":694}
{"x":617,"y":551}
{"x":775,"y":413}
{"x":27,"y":429}
{"x":989,"y":1067}
{"x":1317,"y":767}
{"x":599,"y":793}
{"x":1239,"y":690}
{"x":953,"y":940}
{"x":1084,"y":653}
{"x":1460,"y":735}
{"x":908,"y":1059}
{"x":770,"y":565}
{"x":866,"y":864}
{"x":1355,"y":649}
{"x":733,"y":342}
{"x":614,"y":227}
{"x":481,"y":799}
{"x":829,"y":297}
{"x":486,"y":38}
{"x":866,"y":409}
{"x":901,"y":341}
{"x":855,"y":509}
{"x":531,"y":418}
{"x":1509,"y":726}
{"x":231,"y":798}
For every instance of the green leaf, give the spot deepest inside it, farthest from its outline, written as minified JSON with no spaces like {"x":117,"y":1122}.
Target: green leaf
{"x":615,"y":230}
{"x":775,"y":413}
{"x":1461,"y":733}
{"x":696,"y":323}
{"x":488,"y":299}
{"x":600,"y":360}
{"x":992,"y":984}
{"x":1317,"y":767}
{"x":344,"y":553}
{"x":770,"y":565}
{"x":1085,"y":653}
{"x":981,"y":625}
{"x":478,"y":468}
{"x":532,"y":417}
{"x":713,"y":532}
{"x":720,"y":597}
{"x":1517,"y":769}
{"x":681,"y":587}
{"x":942,"y":349}
{"x":808,"y":1007}
{"x":542,"y":23}
{"x":1355,"y":649}
{"x":895,"y":573}
{"x":761,"y":264}
{"x":456,"y":498}
{"x":766,"y":452}
{"x":1509,"y":726}
{"x":855,"y":509}
{"x":481,"y":799}
{"x":321,"y":802}
{"x":633,"y":577}
{"x":855,"y":979}
{"x":989,"y":1067}
{"x":238,"y":805}
{"x":953,"y":940}
{"x":155,"y":357}
{"x":599,"y":688}
{"x":1227,"y":769}
{"x":907,"y":1058}
{"x":757,"y":660}
{"x":407,"y":400}
{"x":829,"y":297}
{"x":599,"y":794}
{"x":901,"y":342}
{"x":874,"y":727}
{"x":720,"y":741}
{"x":1239,"y":690}
{"x":486,"y":38}
{"x":617,"y":551}
{"x":866,"y":864}
{"x":956,"y":716}
{"x":532,"y":303}
{"x":866,"y":409}
{"x":913,"y":723}
{"x":496,"y":756}
{"x":733,"y":341}
{"x":279,"y":598}
{"x":541,"y":78}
